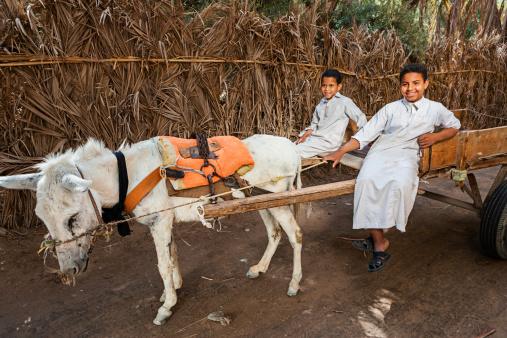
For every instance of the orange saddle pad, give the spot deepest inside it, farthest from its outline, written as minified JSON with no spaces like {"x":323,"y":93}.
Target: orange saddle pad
{"x":232,"y":155}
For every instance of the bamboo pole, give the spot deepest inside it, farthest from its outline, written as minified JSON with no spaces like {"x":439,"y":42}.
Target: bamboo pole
{"x":278,"y":199}
{"x":78,"y":60}
{"x":34,"y":61}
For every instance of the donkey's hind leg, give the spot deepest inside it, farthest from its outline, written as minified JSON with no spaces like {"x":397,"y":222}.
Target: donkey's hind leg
{"x":174,"y":260}
{"x":161,"y":233}
{"x":286,"y":220}
{"x":274,"y":235}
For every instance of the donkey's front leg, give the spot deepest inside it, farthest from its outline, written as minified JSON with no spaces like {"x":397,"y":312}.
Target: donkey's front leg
{"x":176,"y":269}
{"x":161,"y":232}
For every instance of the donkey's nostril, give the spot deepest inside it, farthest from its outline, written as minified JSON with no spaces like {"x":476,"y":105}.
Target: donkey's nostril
{"x":86,"y":264}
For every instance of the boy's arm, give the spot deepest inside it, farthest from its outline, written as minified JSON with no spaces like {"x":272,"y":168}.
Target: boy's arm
{"x":304,"y":136}
{"x":450,"y":126}
{"x":373,"y":128}
{"x":355,"y":114}
{"x":315,"y":120}
{"x":428,"y":139}
{"x":336,"y":156}
{"x":311,"y":128}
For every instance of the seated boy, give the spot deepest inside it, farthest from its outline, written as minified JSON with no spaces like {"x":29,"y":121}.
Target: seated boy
{"x":330,"y":118}
{"x":387,"y":184}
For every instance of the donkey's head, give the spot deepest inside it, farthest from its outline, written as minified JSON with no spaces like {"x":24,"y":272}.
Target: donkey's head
{"x":64,"y":205}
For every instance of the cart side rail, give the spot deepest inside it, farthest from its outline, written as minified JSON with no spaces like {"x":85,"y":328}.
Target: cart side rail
{"x":465,"y":149}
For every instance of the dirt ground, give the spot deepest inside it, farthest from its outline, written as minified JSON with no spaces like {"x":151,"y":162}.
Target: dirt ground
{"x":439,"y":283}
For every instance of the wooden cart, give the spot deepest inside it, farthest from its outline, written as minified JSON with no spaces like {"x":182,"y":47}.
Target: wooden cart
{"x":453,"y":159}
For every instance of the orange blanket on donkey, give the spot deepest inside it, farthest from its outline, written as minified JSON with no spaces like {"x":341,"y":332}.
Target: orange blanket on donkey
{"x":232,"y":155}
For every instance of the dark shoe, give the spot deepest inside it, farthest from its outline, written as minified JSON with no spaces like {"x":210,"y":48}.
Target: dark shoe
{"x":366,"y":244}
{"x":378,"y":261}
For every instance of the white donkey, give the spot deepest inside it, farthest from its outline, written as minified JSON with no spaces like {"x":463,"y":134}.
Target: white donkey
{"x":65,"y":207}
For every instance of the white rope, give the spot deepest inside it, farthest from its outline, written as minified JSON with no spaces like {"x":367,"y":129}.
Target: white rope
{"x":200,"y":212}
{"x":200,"y":208}
{"x":206,"y":198}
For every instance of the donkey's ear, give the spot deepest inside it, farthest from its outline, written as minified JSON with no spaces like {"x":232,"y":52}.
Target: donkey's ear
{"x":74,"y":183}
{"x":26,"y":181}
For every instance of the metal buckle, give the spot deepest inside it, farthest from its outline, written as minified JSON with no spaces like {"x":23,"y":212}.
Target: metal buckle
{"x":229,"y":181}
{"x":163,"y":173}
{"x":194,"y":153}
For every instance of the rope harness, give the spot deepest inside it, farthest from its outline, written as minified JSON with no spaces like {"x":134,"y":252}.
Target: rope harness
{"x":106,"y":228}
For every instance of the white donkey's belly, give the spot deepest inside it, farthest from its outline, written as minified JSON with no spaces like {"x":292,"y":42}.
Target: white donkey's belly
{"x":274,"y":157}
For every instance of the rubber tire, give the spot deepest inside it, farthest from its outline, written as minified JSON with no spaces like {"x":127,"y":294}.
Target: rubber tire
{"x":493,"y":230}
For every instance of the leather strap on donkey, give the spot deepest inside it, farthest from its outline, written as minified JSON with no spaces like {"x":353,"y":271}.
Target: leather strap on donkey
{"x":142,"y":189}
{"x":204,"y":153}
{"x":115,"y":213}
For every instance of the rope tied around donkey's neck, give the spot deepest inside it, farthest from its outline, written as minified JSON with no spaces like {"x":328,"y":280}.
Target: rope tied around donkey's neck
{"x":106,"y":228}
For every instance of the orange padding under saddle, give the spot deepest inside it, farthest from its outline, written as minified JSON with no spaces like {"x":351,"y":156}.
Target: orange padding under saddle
{"x":232,"y":155}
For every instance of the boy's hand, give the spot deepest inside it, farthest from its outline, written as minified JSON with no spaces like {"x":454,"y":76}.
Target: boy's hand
{"x":304,"y":137}
{"x":427,"y":140}
{"x":334,"y":156}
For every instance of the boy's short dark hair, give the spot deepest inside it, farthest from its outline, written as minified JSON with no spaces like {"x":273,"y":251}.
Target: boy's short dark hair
{"x":333,"y":73}
{"x":415,"y":68}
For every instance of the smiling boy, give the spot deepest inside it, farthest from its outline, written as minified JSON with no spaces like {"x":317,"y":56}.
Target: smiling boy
{"x":387,"y":183}
{"x":330,"y":118}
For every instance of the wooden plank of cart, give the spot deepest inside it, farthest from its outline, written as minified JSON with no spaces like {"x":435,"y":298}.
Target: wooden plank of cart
{"x":453,"y":159}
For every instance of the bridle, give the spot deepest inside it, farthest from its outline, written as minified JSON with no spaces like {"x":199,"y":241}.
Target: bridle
{"x":95,"y":232}
{"x":102,"y":228}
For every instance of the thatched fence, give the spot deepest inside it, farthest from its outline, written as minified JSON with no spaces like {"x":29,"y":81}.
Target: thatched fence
{"x":130,"y":70}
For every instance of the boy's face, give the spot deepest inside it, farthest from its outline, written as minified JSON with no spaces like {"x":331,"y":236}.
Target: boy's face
{"x":329,"y":87}
{"x":413,"y":86}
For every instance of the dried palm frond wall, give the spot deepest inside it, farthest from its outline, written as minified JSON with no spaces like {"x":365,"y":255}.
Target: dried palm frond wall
{"x":130,"y":70}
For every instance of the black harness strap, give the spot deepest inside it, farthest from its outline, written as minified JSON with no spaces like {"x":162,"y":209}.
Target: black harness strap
{"x":203,"y":147}
{"x":115,"y":213}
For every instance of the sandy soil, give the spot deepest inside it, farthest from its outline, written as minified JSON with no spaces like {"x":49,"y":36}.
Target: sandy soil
{"x":438,"y":284}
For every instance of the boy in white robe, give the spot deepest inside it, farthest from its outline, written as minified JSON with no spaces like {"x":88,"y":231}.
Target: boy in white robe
{"x":330,"y":118}
{"x":387,"y":184}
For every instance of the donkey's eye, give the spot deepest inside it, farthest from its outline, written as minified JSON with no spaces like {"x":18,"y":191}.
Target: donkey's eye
{"x":70,"y":223}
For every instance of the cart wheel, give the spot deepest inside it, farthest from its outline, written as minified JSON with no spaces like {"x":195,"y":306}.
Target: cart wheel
{"x":493,"y":230}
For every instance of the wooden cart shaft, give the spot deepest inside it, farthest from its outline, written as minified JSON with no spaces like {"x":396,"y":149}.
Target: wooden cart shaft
{"x":468,"y":150}
{"x":279,"y":199}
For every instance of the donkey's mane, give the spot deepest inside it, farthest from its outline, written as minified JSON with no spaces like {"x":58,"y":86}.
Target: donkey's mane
{"x":90,"y":151}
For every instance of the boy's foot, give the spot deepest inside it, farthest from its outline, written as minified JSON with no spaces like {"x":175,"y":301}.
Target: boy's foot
{"x":366,"y":244}
{"x":378,"y":261}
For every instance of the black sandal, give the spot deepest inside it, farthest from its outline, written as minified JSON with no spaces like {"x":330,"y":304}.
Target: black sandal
{"x":366,"y":244}
{"x":378,"y":261}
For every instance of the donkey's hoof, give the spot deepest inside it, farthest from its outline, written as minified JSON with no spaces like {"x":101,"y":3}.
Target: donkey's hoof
{"x":252,"y":274}
{"x":293,"y":290}
{"x":162,"y":316}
